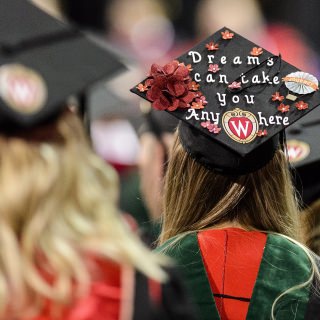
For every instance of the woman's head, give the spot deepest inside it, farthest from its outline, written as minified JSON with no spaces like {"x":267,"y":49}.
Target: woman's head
{"x":197,"y":198}
{"x":58,"y":206}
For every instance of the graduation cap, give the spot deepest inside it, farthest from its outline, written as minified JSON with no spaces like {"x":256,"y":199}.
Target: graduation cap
{"x":304,"y":154}
{"x":157,"y":123}
{"x":234,"y":100}
{"x":42,"y":62}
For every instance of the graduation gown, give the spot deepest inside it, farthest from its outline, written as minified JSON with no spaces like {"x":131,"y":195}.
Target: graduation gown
{"x":236,"y":274}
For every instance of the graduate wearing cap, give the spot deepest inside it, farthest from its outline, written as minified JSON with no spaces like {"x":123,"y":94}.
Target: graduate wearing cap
{"x":304,"y":155}
{"x":65,"y":253}
{"x":156,"y":139}
{"x":230,"y":217}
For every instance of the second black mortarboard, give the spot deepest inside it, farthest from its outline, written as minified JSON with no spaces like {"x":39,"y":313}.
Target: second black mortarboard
{"x":234,"y":99}
{"x":304,"y":154}
{"x":43,"y":61}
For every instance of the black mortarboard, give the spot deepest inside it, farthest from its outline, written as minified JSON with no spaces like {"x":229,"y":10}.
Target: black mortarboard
{"x":42,"y":62}
{"x":157,"y":123}
{"x":304,"y":154}
{"x":234,"y":99}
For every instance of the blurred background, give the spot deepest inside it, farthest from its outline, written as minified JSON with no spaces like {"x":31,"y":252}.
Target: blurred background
{"x":147,"y":31}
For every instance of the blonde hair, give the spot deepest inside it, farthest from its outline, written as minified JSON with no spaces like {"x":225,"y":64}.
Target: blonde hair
{"x":196,"y":198}
{"x":310,"y":217}
{"x":58,"y":206}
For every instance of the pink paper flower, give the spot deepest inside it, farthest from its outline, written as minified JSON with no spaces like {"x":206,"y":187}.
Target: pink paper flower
{"x":234,"y":85}
{"x":213,"y":68}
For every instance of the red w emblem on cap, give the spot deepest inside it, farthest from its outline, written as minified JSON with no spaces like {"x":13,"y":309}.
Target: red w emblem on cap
{"x":22,"y":88}
{"x":297,"y":150}
{"x":240,"y":125}
{"x":22,"y":92}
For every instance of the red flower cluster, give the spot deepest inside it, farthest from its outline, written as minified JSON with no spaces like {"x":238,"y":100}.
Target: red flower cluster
{"x":170,"y":87}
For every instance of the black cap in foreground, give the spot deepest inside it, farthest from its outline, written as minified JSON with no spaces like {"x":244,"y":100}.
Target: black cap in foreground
{"x":43,"y":61}
{"x":234,"y":99}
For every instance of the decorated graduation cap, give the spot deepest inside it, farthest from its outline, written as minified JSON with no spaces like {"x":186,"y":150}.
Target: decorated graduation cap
{"x":42,"y":62}
{"x":304,"y":154}
{"x":234,"y":100}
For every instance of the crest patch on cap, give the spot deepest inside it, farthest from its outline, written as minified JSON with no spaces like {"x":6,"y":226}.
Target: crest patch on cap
{"x":22,"y":88}
{"x":297,"y":150}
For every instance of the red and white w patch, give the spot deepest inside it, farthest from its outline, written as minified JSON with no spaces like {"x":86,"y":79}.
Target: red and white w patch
{"x":297,"y":150}
{"x":22,"y":88}
{"x":241,"y":126}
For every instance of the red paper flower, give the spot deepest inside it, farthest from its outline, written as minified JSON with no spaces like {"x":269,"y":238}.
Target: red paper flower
{"x":301,"y":105}
{"x":234,"y":85}
{"x":188,"y":66}
{"x":197,"y":105}
{"x":211,"y":127}
{"x":227,"y":35}
{"x":276,"y":97}
{"x":203,"y":100}
{"x":256,"y":51}
{"x":213,"y":68}
{"x":198,"y":94}
{"x":142,"y":87}
{"x":169,"y":86}
{"x":283,"y":108}
{"x":262,"y":133}
{"x":193,"y":86}
{"x":211,"y":46}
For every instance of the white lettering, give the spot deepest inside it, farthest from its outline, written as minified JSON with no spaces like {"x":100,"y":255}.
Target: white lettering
{"x":253,"y":60}
{"x":223,"y":60}
{"x":237,"y":60}
{"x":235,"y":99}
{"x":197,"y":77}
{"x":192,"y":115}
{"x":223,"y":78}
{"x":222,"y":98}
{"x":210,"y":58}
{"x":251,"y":101}
{"x":209,"y":78}
{"x":262,"y":120}
{"x":242,"y":78}
{"x":196,"y":56}
{"x":270,"y":62}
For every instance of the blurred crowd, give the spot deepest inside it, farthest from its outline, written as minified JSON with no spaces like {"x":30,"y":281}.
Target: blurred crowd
{"x":145,"y":31}
{"x":136,"y":142}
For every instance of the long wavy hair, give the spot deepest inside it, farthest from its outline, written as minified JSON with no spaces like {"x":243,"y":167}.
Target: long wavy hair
{"x":311,"y":222}
{"x":196,"y":198}
{"x":58,"y":206}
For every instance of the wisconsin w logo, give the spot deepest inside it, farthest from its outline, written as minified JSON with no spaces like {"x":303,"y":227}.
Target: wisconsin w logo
{"x":297,"y":150}
{"x":241,"y":126}
{"x":22,"y":88}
